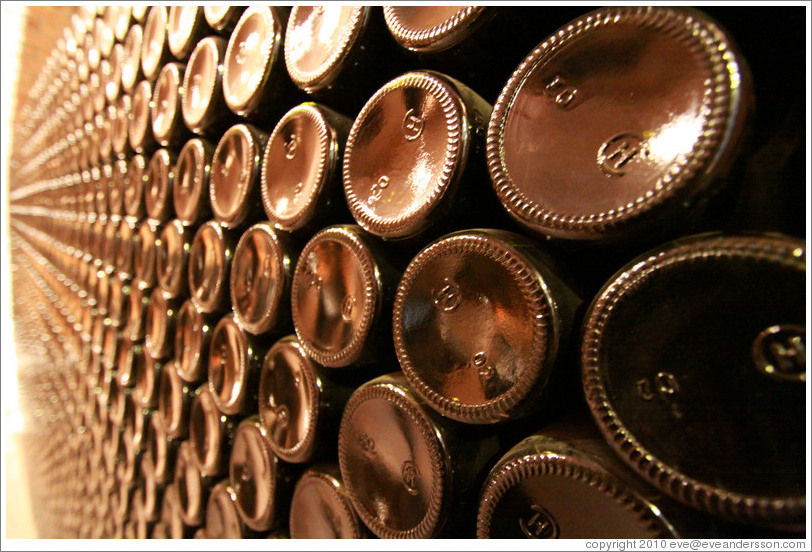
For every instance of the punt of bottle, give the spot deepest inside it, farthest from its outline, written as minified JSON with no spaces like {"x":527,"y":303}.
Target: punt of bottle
{"x":299,"y":403}
{"x":192,"y":338}
{"x":203,"y":103}
{"x":621,"y":123}
{"x":260,"y":279}
{"x":190,"y":194}
{"x":234,"y":363}
{"x":480,"y":319}
{"x":408,"y":150}
{"x":235,"y":174}
{"x":210,"y":267}
{"x":338,"y":296}
{"x":300,"y":178}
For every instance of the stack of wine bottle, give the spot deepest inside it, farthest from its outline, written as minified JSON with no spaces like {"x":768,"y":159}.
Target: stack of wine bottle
{"x":414,"y":272}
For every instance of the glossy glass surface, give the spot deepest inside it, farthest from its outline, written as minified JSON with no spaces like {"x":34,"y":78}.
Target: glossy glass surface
{"x":170,"y":396}
{"x":140,"y":128}
{"x":120,"y":133}
{"x":423,"y":18}
{"x":134,"y":190}
{"x":136,"y":313}
{"x":155,"y":43}
{"x":677,"y":360}
{"x":467,"y":323}
{"x":431,"y":28}
{"x":222,"y":17}
{"x":145,"y":255}
{"x":130,"y":69}
{"x":159,"y":312}
{"x":552,"y":506}
{"x":188,"y":481}
{"x":146,"y":384}
{"x":182,"y":23}
{"x":127,"y":350}
{"x":615,"y":120}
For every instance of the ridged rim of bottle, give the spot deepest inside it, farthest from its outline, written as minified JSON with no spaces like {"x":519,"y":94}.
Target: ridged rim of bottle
{"x":207,"y":44}
{"x":441,"y":478}
{"x":352,"y":240}
{"x":217,"y":295}
{"x":784,"y":251}
{"x":307,"y":441}
{"x":313,"y":80}
{"x":343,"y":500}
{"x":719,"y":106}
{"x":275,"y":29}
{"x":536,"y":298}
{"x":455,"y":152}
{"x":327,"y":150}
{"x":507,"y":475}
{"x":232,"y":220}
{"x":233,"y":405}
{"x":270,"y":318}
{"x":253,"y":430}
{"x":426,"y":39}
